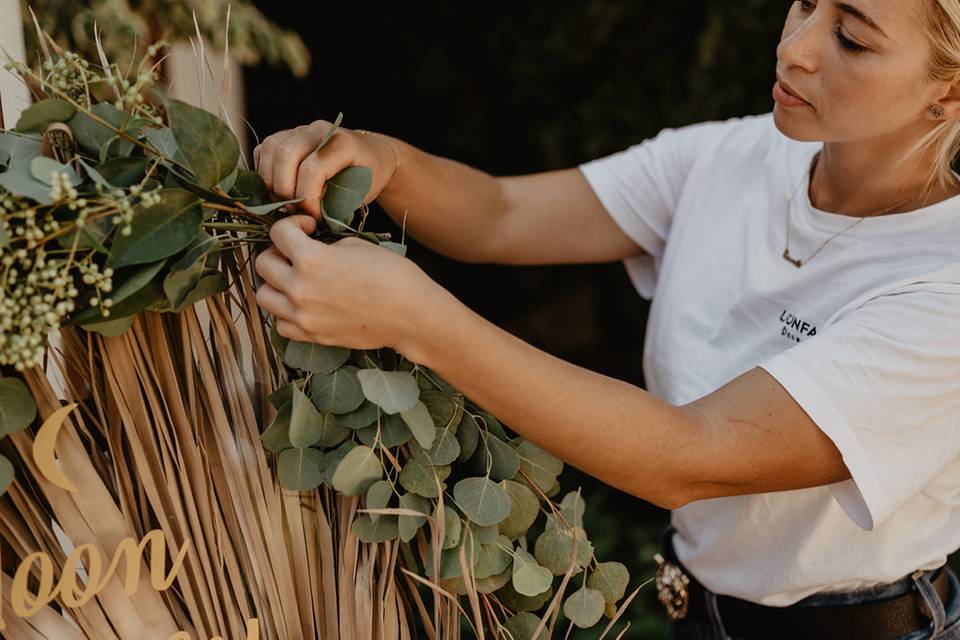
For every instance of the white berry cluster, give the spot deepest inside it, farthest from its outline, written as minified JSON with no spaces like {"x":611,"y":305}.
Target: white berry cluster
{"x":72,"y":75}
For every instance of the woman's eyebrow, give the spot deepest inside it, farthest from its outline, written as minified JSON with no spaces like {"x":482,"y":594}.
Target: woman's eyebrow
{"x":859,"y":15}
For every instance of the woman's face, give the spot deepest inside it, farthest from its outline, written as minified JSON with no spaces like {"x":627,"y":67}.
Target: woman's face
{"x":861,"y":67}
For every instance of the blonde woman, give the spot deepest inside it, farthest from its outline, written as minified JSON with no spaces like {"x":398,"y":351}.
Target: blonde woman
{"x":802,"y":356}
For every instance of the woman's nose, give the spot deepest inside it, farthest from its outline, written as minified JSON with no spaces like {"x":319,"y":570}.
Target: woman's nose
{"x":800,"y":44}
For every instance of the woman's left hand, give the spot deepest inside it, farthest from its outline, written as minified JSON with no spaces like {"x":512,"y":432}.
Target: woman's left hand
{"x":351,"y":293}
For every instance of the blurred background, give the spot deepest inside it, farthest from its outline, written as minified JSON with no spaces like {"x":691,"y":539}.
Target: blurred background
{"x":523,"y":87}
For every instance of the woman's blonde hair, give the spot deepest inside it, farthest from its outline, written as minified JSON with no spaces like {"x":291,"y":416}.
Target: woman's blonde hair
{"x":942,"y":21}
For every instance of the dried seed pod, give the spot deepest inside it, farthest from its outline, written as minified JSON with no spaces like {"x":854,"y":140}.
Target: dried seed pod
{"x":59,"y":143}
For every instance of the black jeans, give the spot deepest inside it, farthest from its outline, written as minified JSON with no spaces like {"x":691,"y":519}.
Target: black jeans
{"x":945,"y":625}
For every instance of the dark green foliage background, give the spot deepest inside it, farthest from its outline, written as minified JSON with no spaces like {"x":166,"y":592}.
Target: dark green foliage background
{"x":516,"y":88}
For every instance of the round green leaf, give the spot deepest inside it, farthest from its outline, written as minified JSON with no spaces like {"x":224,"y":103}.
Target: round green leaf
{"x":445,"y":409}
{"x":158,"y":231}
{"x":610,"y":579}
{"x":519,"y":602}
{"x":381,"y":530}
{"x":206,"y":143}
{"x":306,"y":423}
{"x":360,"y":417}
{"x":359,"y":469}
{"x":6,"y":474}
{"x":337,"y":392}
{"x":276,"y":438}
{"x":390,"y":429}
{"x":468,"y":435}
{"x":493,"y":558}
{"x":410,"y":524}
{"x":17,"y":408}
{"x":420,"y":478}
{"x":421,"y":424}
{"x":524,"y":508}
{"x":92,"y":135}
{"x":445,"y":448}
{"x":299,"y":469}
{"x":316,"y":358}
{"x":554,"y":550}
{"x":584,"y":607}
{"x":523,"y":625}
{"x":39,"y":115}
{"x":345,"y":193}
{"x":378,"y":497}
{"x":504,"y":461}
{"x":452,"y":526}
{"x":392,"y":391}
{"x":542,"y":467}
{"x":42,"y":167}
{"x":482,"y":500}
{"x":529,"y":578}
{"x":332,"y":459}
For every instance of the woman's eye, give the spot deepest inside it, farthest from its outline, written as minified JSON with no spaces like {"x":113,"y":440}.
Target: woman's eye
{"x":846,"y":42}
{"x":806,"y":6}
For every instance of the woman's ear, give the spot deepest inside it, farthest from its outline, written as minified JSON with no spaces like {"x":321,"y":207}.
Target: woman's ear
{"x":948,"y":103}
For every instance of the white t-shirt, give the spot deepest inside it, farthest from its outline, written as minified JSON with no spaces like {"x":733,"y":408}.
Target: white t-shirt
{"x":865,"y":337}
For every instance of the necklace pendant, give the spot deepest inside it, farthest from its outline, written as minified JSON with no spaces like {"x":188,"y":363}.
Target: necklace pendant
{"x":794,"y":261}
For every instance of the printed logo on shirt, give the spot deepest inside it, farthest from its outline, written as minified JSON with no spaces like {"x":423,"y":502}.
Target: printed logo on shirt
{"x":794,"y":327}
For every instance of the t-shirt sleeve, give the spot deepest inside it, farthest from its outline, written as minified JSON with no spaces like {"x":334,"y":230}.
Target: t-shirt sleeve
{"x":883,"y":383}
{"x":641,"y":186}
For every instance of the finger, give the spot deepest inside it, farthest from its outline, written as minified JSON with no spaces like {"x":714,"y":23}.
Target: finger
{"x":274,"y":268}
{"x":317,"y":168}
{"x":290,"y":153}
{"x":268,"y":149}
{"x":289,"y":330}
{"x":290,"y":236}
{"x":274,"y":302}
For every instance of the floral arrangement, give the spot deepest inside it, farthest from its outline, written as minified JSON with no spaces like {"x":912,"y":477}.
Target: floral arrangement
{"x":117,"y":217}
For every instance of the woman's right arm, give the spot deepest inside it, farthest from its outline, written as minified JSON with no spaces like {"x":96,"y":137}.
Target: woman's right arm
{"x":456,"y":210}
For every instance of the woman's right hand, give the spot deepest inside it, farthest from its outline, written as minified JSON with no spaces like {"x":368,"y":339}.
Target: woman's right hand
{"x":292,"y":167}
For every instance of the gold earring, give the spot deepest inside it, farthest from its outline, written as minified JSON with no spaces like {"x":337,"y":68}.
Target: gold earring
{"x":936,"y":110}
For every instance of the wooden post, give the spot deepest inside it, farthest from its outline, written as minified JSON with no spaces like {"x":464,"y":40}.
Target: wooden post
{"x":14,"y":94}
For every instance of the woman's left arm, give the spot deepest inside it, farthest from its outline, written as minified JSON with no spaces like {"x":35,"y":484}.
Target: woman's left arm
{"x":749,"y":436}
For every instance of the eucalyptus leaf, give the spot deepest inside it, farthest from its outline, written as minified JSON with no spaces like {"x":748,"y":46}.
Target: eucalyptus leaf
{"x":452,"y":526}
{"x":445,"y":409}
{"x":572,"y":507}
{"x":410,"y":524}
{"x":17,"y":408}
{"x":345,"y":193}
{"x":158,"y":231}
{"x":359,"y":469}
{"x":392,"y":391}
{"x":122,"y":172}
{"x":39,"y":115}
{"x":482,"y":534}
{"x":209,"y":147}
{"x":6,"y":474}
{"x":524,"y":508}
{"x":332,"y":460}
{"x":299,"y":469}
{"x":542,"y":467}
{"x":421,"y":424}
{"x":276,"y":437}
{"x":329,"y":134}
{"x":493,"y":558}
{"x":362,"y":416}
{"x":20,"y":147}
{"x":503,"y":458}
{"x":492,"y":425}
{"x":519,"y":602}
{"x":306,"y":423}
{"x":390,"y":429}
{"x":420,"y":478}
{"x":211,"y":282}
{"x":554,"y":549}
{"x":282,"y":395}
{"x":264,"y":209}
{"x":378,"y":497}
{"x":163,"y":140}
{"x":19,"y":181}
{"x":42,"y":167}
{"x":523,"y":625}
{"x":93,"y":135}
{"x":482,"y":500}
{"x":584,"y":607}
{"x":529,"y":578}
{"x":445,"y":448}
{"x":337,"y":392}
{"x":371,"y":531}
{"x":610,"y":579}
{"x":278,"y":342}
{"x":468,"y":434}
{"x":315,"y":358}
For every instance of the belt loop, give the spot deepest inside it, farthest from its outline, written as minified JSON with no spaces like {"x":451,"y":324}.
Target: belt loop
{"x":714,"y":612}
{"x":934,"y":607}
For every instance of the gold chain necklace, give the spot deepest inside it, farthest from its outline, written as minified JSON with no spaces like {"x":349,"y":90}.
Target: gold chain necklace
{"x":786,"y":251}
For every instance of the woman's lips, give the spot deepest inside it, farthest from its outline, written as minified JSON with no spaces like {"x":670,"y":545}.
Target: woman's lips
{"x":787,"y":99}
